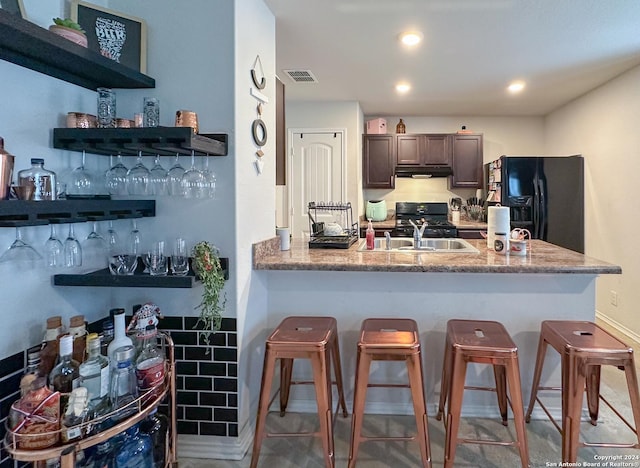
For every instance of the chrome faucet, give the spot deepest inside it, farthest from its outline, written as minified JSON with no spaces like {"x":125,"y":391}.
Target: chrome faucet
{"x":387,"y":237}
{"x":417,"y":233}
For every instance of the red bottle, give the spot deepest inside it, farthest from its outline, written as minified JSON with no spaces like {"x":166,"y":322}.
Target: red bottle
{"x":371,"y":237}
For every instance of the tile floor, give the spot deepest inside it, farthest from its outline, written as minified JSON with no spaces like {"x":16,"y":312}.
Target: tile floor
{"x":543,"y":439}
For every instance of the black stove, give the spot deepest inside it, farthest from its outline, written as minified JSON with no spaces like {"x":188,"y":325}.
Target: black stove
{"x":433,"y":214}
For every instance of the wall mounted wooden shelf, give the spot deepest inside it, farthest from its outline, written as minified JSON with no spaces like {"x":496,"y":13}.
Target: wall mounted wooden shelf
{"x":165,"y":141}
{"x":15,"y":213}
{"x":28,"y":45}
{"x":137,"y":280}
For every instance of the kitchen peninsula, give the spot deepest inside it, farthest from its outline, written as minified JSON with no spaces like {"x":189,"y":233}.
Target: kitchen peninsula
{"x":549,"y":283}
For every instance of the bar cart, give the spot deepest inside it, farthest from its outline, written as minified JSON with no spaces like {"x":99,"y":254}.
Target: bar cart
{"x":142,"y":406}
{"x":331,"y":225}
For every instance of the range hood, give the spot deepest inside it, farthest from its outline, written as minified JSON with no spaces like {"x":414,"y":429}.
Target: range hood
{"x":423,"y":172}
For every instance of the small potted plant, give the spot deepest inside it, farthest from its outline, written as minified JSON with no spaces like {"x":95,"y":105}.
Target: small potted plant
{"x":206,"y":264}
{"x":70,"y":30}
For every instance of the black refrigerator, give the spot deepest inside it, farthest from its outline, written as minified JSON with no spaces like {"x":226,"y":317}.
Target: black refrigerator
{"x":546,"y":196}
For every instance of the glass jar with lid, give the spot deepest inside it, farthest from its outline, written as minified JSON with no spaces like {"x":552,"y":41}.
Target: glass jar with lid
{"x":42,"y":180}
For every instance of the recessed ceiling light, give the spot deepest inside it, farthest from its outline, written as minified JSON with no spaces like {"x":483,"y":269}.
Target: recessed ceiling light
{"x":403,"y":87}
{"x":411,"y":38}
{"x":516,"y":87}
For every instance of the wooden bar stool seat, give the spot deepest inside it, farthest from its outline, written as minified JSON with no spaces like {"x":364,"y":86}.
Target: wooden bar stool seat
{"x":393,"y":339}
{"x":299,"y":337}
{"x":583,"y":347}
{"x":482,"y":342}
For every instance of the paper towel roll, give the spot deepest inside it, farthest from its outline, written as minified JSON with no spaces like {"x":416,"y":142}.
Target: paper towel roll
{"x":497,"y":221}
{"x":284,"y":235}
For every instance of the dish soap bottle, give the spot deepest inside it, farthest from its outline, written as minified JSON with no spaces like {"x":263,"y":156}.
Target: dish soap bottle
{"x":371,"y":237}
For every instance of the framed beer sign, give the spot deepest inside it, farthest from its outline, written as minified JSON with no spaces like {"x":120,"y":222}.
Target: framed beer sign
{"x":117,"y":36}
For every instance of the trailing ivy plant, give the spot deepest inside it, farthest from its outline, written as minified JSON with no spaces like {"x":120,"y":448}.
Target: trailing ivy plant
{"x":206,"y":264}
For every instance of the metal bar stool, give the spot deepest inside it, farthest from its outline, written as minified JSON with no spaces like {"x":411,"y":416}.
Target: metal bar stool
{"x":389,"y":340}
{"x":482,"y":342}
{"x":583,"y":348}
{"x":316,"y":339}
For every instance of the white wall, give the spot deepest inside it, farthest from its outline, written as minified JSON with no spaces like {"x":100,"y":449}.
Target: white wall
{"x":602,"y":126}
{"x":255,"y":193}
{"x":334,"y":114}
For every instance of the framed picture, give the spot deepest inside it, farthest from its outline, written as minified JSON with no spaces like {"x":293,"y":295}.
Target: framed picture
{"x":120,"y":37}
{"x":14,"y":7}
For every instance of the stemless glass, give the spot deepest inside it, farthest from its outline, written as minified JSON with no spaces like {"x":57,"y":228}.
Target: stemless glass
{"x":158,"y":261}
{"x":94,"y":249}
{"x":72,"y":250}
{"x":20,"y":252}
{"x":116,"y":177}
{"x":174,"y":178}
{"x":53,"y":250}
{"x":158,"y":178}
{"x":193,"y":181}
{"x":180,"y":258}
{"x":209,"y":179}
{"x":138,"y":178}
{"x":80,"y":180}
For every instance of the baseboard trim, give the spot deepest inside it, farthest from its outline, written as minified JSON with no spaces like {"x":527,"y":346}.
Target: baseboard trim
{"x":618,"y":326}
{"x":214,"y":447}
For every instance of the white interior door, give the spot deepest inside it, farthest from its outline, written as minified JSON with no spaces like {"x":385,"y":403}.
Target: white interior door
{"x":317,"y":173}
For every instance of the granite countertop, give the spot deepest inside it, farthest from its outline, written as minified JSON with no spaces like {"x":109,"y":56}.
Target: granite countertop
{"x":542,"y":257}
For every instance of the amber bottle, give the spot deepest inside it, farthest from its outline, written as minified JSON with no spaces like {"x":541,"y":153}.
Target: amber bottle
{"x":49,"y":352}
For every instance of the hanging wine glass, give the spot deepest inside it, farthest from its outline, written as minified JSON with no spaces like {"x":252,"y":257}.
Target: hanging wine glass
{"x":116,"y":177}
{"x":174,"y":178}
{"x":72,"y":250}
{"x":53,"y":250}
{"x":112,"y":236}
{"x":134,"y":241}
{"x":193,"y":182}
{"x":94,"y":250}
{"x":209,"y":179}
{"x":158,"y":178}
{"x":138,"y":178}
{"x":80,"y":180}
{"x":20,"y":252}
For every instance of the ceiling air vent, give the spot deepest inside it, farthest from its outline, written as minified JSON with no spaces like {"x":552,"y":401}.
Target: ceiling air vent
{"x":301,"y":76}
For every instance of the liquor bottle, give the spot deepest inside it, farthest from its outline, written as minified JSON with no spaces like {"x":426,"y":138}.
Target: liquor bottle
{"x":123,"y":386}
{"x":150,"y":363}
{"x":120,"y":337}
{"x":37,"y":413}
{"x":103,"y":457}
{"x":50,"y":349}
{"x":107,"y":336}
{"x":94,"y":374}
{"x":75,"y":415}
{"x":64,"y":376}
{"x":42,"y":180}
{"x":135,"y":450}
{"x":401,"y":127}
{"x":78,"y":329}
{"x":156,"y":427}
{"x":32,"y":371}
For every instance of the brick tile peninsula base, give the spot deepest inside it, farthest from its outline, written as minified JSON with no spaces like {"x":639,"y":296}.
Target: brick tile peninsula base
{"x":431,"y":288}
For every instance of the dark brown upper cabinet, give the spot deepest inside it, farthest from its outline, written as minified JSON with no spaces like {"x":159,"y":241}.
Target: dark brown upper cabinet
{"x":467,"y":156}
{"x":378,"y":161}
{"x":423,"y":150}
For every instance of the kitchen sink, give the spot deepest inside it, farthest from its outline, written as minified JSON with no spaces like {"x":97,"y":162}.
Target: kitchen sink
{"x":405,"y":244}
